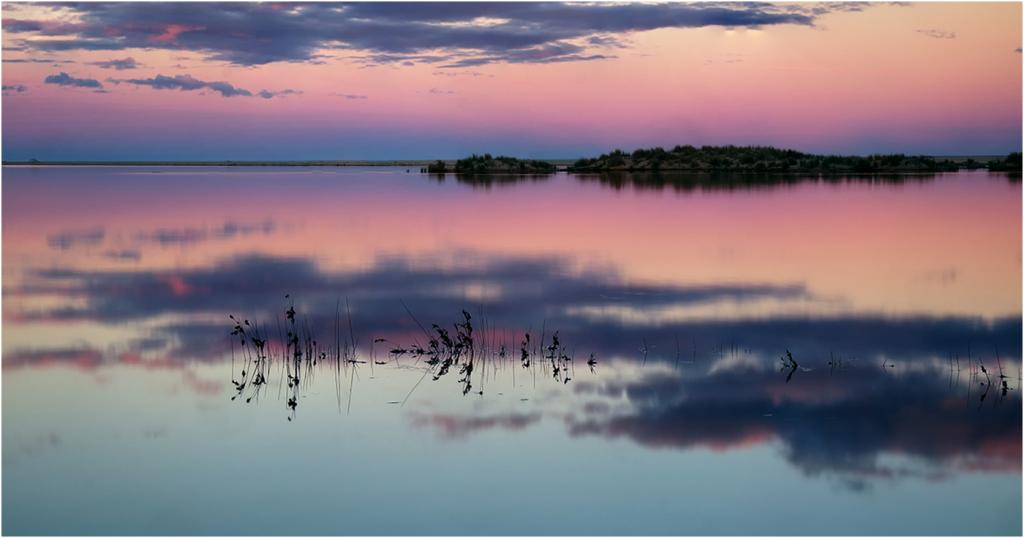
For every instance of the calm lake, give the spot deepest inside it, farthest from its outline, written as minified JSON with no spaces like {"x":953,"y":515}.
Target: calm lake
{"x":126,"y":410}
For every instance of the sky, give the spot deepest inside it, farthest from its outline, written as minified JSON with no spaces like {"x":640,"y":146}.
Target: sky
{"x":248,"y":81}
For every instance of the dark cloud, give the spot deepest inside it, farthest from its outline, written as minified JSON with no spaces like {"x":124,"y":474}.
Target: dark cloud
{"x":267,"y":94}
{"x":825,"y":8}
{"x":606,"y":41}
{"x":120,"y":65}
{"x":378,"y":58}
{"x":550,"y":53}
{"x":64,"y":79}
{"x":190,"y":83}
{"x":468,"y":33}
{"x":937,"y":34}
{"x":76,"y":44}
{"x":185,"y":83}
{"x":15,"y":88}
{"x":36,"y":61}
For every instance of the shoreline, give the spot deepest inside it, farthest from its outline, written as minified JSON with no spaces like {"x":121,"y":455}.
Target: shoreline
{"x":416,"y":168}
{"x":562,"y":165}
{"x":218,"y":163}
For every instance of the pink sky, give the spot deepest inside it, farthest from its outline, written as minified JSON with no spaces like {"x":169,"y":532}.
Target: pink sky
{"x":937,"y":78}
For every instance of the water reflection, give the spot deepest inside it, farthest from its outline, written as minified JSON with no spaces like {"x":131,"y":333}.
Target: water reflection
{"x":866,"y":427}
{"x":846,"y":417}
{"x":514,"y":294}
{"x":840,"y":331}
{"x":729,"y":181}
{"x":705,"y":181}
{"x":488,"y":181}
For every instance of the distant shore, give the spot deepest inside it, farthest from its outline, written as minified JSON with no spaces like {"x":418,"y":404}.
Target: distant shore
{"x":614,"y":162}
{"x":409,"y":163}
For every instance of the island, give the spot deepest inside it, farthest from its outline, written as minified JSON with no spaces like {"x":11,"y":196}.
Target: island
{"x":488,"y":164}
{"x":728,"y":159}
{"x":757,"y":159}
{"x":1012,"y":163}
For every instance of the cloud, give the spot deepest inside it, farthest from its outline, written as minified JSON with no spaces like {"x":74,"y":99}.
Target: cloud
{"x":120,"y":65}
{"x":190,"y":83}
{"x":36,"y":61}
{"x":64,"y":79}
{"x":457,"y":34}
{"x":1017,"y":50}
{"x":937,"y":34}
{"x":557,"y":52}
{"x":601,"y":40}
{"x":16,"y":88}
{"x":186,"y":83}
{"x":825,"y":8}
{"x":267,"y":94}
{"x":473,"y":74}
{"x":351,"y":96}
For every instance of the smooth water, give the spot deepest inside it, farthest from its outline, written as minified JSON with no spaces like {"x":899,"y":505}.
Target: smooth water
{"x":891,"y":294}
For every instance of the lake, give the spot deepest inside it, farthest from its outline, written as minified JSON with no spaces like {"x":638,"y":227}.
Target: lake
{"x":733,"y":356}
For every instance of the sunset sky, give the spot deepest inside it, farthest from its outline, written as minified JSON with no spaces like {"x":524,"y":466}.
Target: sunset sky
{"x":163,"y":81}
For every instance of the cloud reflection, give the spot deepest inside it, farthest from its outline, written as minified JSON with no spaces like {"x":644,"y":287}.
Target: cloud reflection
{"x":857,"y":428}
{"x":515,"y":293}
{"x":711,"y":382}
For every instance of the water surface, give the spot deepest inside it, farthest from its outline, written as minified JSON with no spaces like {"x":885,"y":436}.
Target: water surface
{"x":891,"y":294}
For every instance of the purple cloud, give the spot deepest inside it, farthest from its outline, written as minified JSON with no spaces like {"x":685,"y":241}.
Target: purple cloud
{"x":185,"y":83}
{"x":256,"y":33}
{"x":64,"y":79}
{"x":120,"y":65}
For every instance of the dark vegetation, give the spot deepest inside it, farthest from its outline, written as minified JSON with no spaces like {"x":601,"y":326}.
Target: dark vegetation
{"x":438,"y":167}
{"x":286,"y":352}
{"x":1012,"y":163}
{"x":773,"y":160}
{"x":296,"y":354}
{"x":762,"y":160}
{"x":477,"y":164}
{"x":488,"y":164}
